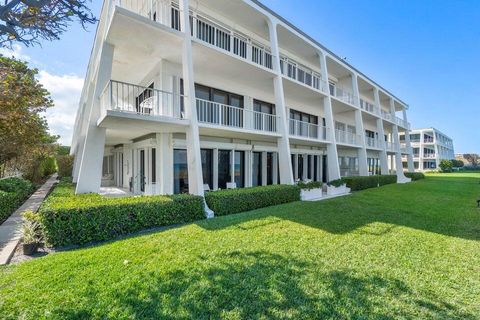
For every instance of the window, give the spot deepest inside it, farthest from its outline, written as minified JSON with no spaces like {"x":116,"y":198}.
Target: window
{"x":107,"y":167}
{"x":303,"y":128}
{"x":261,"y":121}
{"x":224,"y":168}
{"x":180,"y":171}
{"x":207,"y":166}
{"x":239,"y":168}
{"x":300,"y":167}
{"x":257,"y":169}
{"x":331,"y":87}
{"x":269,"y":168}
{"x":143,"y":102}
{"x":154,"y":167}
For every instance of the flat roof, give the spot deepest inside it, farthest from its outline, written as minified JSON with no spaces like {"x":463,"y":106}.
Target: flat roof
{"x":291,"y":25}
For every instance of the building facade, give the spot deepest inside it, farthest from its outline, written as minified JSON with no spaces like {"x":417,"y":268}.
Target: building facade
{"x":193,"y":96}
{"x":429,"y":147}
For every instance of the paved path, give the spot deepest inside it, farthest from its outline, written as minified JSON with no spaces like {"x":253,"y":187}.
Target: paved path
{"x":11,"y":229}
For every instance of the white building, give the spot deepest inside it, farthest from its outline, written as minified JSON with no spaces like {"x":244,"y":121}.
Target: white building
{"x":237,"y":97}
{"x":429,"y":146}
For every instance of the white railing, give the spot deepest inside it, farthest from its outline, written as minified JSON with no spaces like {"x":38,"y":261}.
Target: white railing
{"x":387,"y":115}
{"x":309,"y":130}
{"x":429,"y":156}
{"x":390,"y":146}
{"x":218,"y":114}
{"x":401,"y":122}
{"x":372,"y":142}
{"x":125,"y":97}
{"x":346,"y":137}
{"x":302,"y":74}
{"x":342,"y":94}
{"x":370,"y":107}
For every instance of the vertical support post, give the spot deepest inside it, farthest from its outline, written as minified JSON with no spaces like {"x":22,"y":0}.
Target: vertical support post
{"x":408,"y":143}
{"x":396,"y":140}
{"x":381,"y":133}
{"x":90,"y":167}
{"x":195,"y":177}
{"x":332,"y":155}
{"x":283,"y":142}
{"x":362,"y":151}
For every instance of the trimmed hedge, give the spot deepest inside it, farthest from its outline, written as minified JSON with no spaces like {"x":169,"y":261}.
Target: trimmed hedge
{"x":366,"y":182}
{"x":415,"y":175}
{"x":13,"y":192}
{"x":69,"y":219}
{"x":231,"y":201}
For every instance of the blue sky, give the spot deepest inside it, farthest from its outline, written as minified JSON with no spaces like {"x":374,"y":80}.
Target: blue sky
{"x":425,"y":52}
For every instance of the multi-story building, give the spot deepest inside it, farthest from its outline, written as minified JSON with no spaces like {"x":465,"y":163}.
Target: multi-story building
{"x":208,"y":94}
{"x":429,"y":146}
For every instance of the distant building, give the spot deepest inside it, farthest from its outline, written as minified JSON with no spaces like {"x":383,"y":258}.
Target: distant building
{"x":429,"y":146}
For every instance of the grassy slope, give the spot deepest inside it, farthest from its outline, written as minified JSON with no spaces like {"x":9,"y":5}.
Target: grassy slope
{"x":400,"y":251}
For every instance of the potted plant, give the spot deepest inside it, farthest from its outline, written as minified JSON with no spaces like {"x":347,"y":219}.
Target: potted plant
{"x":30,"y":230}
{"x":337,"y":187}
{"x":310,"y":190}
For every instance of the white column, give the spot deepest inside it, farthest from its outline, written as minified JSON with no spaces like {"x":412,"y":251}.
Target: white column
{"x":164,"y":163}
{"x":195,"y":177}
{"x":408,"y":143}
{"x":90,"y":171}
{"x":362,"y":151}
{"x":215,"y":169}
{"x":332,"y":154}
{"x":275,"y":168}
{"x":381,"y":133}
{"x":283,"y":143}
{"x":398,"y":155}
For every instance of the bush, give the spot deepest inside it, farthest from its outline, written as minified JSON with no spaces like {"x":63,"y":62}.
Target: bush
{"x":366,"y":182}
{"x":65,"y":165}
{"x":48,"y":166}
{"x":309,"y":185}
{"x":13,"y":192}
{"x":457,"y":163}
{"x":415,"y":175}
{"x":68,"y":219}
{"x":446,"y":165}
{"x":336,"y":183}
{"x":231,"y":201}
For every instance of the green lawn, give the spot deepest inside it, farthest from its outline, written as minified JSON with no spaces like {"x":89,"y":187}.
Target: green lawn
{"x":401,"y":251}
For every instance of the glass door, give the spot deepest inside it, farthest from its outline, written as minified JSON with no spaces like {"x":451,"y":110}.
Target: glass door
{"x":141,"y":176}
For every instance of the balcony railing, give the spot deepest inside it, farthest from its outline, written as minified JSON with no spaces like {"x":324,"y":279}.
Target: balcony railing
{"x":370,"y":107}
{"x":386,"y":115}
{"x":346,"y":137}
{"x":401,"y":122}
{"x":308,"y":130}
{"x":429,"y":156}
{"x":302,"y":74}
{"x":218,"y":114}
{"x":372,"y":142}
{"x":130,"y":98}
{"x":390,"y":146}
{"x":342,"y":94}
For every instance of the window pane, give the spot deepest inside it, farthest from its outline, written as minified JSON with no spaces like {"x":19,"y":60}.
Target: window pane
{"x":207,"y":163}
{"x":257,"y":169}
{"x":223,"y":168}
{"x":240,"y":168}
{"x":180,"y":171}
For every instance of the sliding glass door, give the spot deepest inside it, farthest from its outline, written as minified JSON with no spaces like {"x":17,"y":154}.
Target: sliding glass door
{"x":256,"y":169}
{"x":240,"y":168}
{"x":224,"y":168}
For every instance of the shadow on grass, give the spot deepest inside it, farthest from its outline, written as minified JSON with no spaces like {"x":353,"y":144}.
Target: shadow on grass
{"x":256,"y":285}
{"x":441,"y":205}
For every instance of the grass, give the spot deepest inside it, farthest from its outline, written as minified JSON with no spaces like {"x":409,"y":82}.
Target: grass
{"x":400,"y":251}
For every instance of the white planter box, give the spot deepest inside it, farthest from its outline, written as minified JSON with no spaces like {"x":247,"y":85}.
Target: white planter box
{"x":334,"y":191}
{"x":312,"y":194}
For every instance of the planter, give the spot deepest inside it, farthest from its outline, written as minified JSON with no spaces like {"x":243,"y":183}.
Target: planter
{"x":335,"y":191}
{"x":29,"y":248}
{"x":312,"y":194}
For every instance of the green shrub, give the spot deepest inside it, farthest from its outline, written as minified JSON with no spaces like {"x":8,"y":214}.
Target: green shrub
{"x":336,"y":183}
{"x":231,"y":201}
{"x":366,"y":182}
{"x":65,"y":165}
{"x":309,"y":185}
{"x":13,"y":192}
{"x":457,"y":163}
{"x":67,"y":218}
{"x":48,"y":166}
{"x":415,"y":175}
{"x":446,"y":165}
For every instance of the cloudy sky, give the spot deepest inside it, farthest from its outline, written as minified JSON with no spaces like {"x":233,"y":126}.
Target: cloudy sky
{"x":425,"y":52}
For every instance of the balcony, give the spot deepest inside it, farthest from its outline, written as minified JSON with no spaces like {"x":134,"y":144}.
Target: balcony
{"x":307,"y":130}
{"x":221,"y":115}
{"x":342,"y":94}
{"x":373,"y":143}
{"x":137,"y":100}
{"x":302,"y":74}
{"x":345,"y":137}
{"x":369,"y":107}
{"x":429,"y":156}
{"x":391,"y":146}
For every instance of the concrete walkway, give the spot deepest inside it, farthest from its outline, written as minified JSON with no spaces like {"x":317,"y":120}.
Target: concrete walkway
{"x":11,"y":229}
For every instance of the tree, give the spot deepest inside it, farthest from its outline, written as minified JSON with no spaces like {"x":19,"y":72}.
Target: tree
{"x":23,"y":130}
{"x":446,"y":165}
{"x":457,"y":163}
{"x":28,"y":21}
{"x":472,"y":158}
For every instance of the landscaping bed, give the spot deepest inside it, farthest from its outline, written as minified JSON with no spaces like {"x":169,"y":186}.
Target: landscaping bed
{"x":69,"y":219}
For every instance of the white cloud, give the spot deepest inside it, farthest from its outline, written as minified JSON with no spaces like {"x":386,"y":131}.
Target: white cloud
{"x":16,"y":52}
{"x":65,"y":91}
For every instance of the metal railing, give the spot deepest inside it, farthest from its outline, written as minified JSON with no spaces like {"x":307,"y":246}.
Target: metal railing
{"x":372,"y":142}
{"x":369,"y":107}
{"x":429,"y":156}
{"x":309,"y":130}
{"x":346,"y":137}
{"x":215,"y":113}
{"x":390,"y":146}
{"x":386,"y":115}
{"x":342,"y":94}
{"x":126,"y":97}
{"x":302,"y":74}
